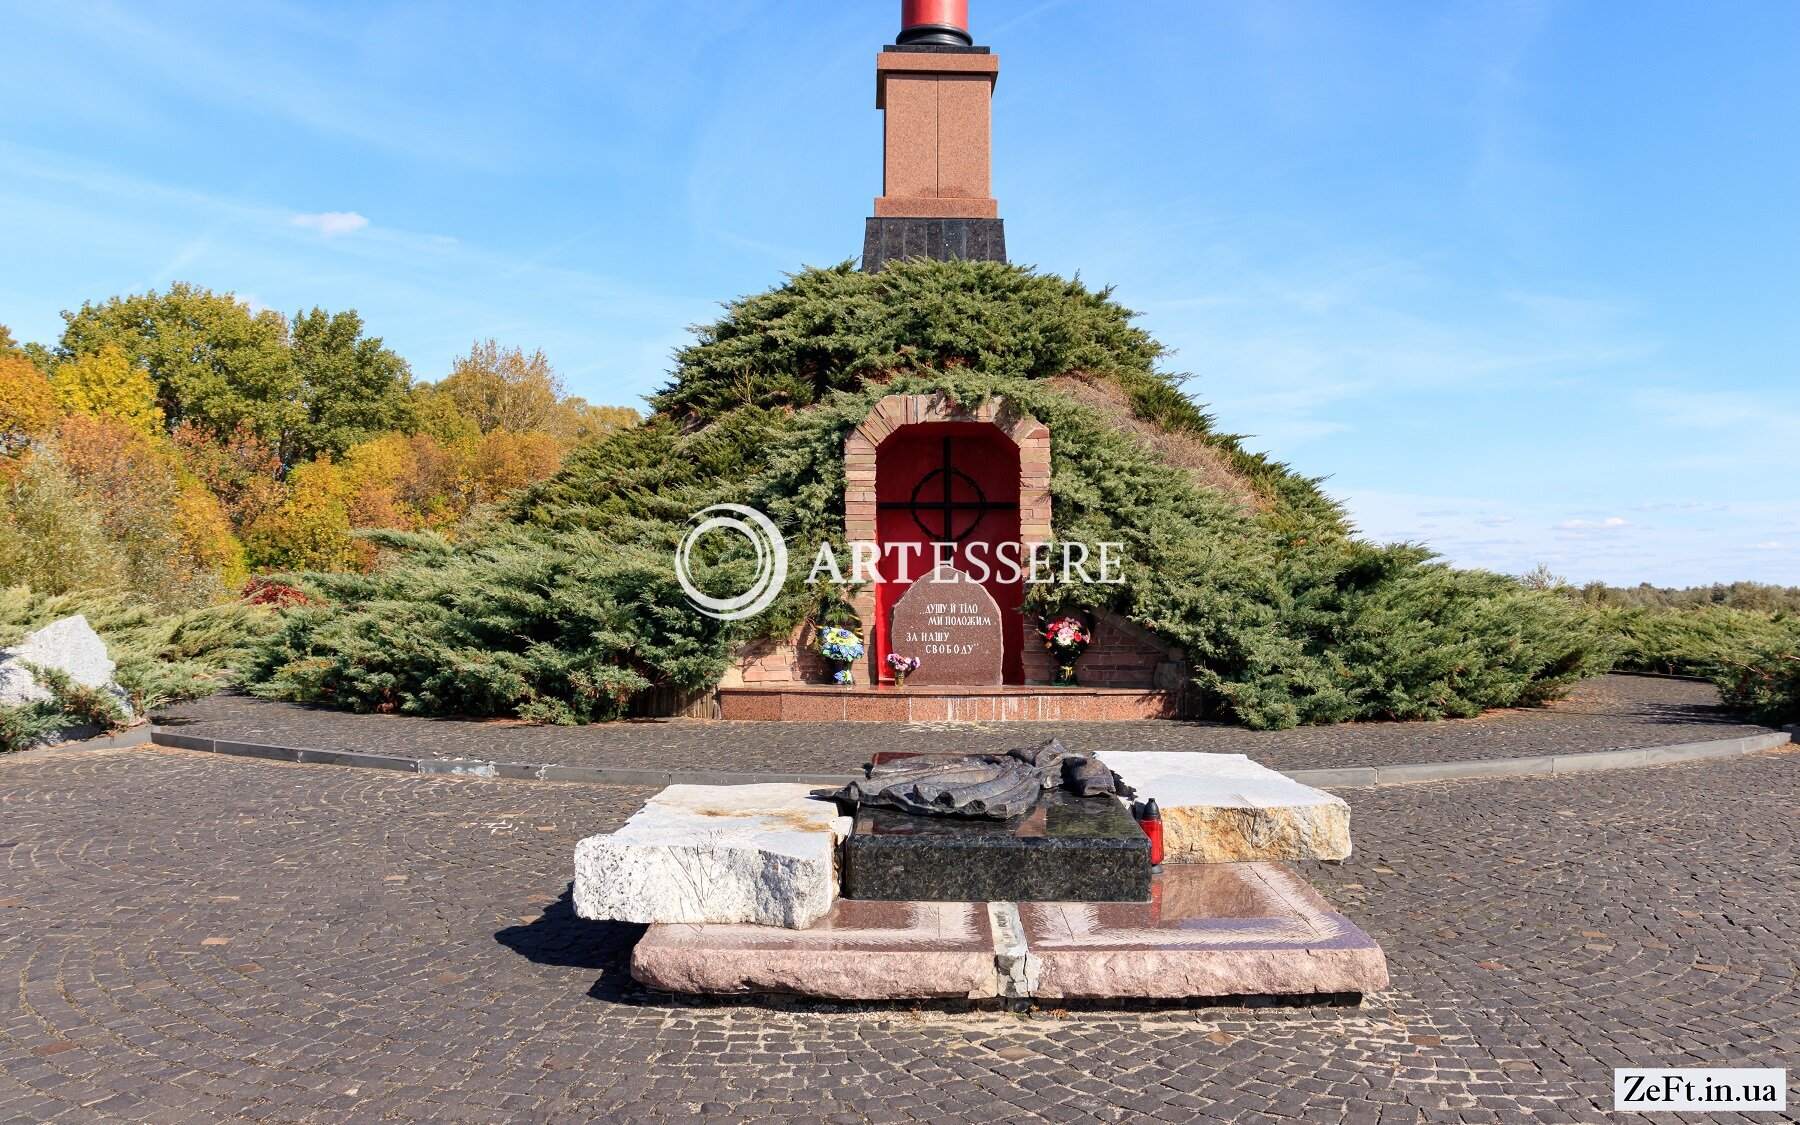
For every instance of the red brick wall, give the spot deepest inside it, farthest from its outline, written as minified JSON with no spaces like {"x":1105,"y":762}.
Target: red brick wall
{"x":1122,"y":655}
{"x":768,"y":663}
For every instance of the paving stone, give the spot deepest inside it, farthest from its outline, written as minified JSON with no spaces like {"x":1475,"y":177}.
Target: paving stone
{"x":1677,"y":865}
{"x":1606,"y":713}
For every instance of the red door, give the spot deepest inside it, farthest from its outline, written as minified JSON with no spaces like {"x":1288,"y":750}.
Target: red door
{"x":955,"y":483}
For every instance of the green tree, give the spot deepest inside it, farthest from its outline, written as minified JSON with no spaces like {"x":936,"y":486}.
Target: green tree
{"x":38,"y":354}
{"x":579,"y":421}
{"x":437,"y":415}
{"x":173,"y":548}
{"x":311,"y":529}
{"x":214,"y":362}
{"x":352,"y":388}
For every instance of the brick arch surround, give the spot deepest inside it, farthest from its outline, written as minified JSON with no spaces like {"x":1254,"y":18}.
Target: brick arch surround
{"x":890,"y":414}
{"x":779,"y":678}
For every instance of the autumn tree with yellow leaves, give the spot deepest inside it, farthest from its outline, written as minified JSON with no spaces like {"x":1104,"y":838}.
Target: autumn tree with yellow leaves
{"x":172,"y":443}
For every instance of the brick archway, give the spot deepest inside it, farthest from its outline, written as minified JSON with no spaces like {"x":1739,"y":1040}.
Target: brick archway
{"x":896,"y":411}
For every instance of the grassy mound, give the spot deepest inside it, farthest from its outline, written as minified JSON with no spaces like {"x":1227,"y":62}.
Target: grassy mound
{"x":567,"y":606}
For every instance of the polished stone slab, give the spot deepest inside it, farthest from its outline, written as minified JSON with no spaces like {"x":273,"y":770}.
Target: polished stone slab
{"x":1210,"y":930}
{"x":954,"y":625}
{"x":859,"y":951}
{"x":1067,"y":848}
{"x":974,"y":239}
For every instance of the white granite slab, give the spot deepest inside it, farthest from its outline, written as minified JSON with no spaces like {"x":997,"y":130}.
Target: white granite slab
{"x":760,"y":854}
{"x":1220,"y":808}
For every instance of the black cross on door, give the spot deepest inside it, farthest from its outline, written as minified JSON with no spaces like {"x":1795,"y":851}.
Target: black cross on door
{"x":935,"y":495}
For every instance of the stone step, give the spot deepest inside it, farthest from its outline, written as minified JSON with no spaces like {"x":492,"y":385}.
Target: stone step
{"x":817,"y":703}
{"x":1210,"y":931}
{"x":859,"y":951}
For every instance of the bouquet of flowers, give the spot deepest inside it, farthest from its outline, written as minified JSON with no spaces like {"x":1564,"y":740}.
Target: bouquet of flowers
{"x":843,"y":648}
{"x":1065,"y":638}
{"x":902,"y":667}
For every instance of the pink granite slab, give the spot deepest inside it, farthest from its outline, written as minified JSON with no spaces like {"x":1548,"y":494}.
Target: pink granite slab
{"x":859,"y":951}
{"x":1210,"y":930}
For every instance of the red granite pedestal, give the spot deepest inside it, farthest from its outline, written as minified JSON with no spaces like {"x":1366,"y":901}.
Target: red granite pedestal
{"x":1211,"y":931}
{"x":810,"y":703}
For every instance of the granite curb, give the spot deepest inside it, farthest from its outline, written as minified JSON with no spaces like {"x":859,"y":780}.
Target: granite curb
{"x":1546,"y":765}
{"x":124,"y":740}
{"x":1343,"y":777}
{"x":476,"y":767}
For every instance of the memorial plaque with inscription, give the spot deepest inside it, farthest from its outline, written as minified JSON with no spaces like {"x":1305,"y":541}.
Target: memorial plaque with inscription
{"x":954,"y":627}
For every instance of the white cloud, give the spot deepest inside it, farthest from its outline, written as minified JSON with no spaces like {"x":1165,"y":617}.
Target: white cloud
{"x":330,"y":222}
{"x":1689,"y":548}
{"x":1583,"y":525}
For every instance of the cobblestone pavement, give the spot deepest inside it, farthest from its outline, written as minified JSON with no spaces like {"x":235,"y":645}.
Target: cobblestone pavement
{"x":1608,"y":713}
{"x":192,"y":937}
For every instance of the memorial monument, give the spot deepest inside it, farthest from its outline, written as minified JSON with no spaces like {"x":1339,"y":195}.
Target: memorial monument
{"x":937,"y":491}
{"x":1015,"y":874}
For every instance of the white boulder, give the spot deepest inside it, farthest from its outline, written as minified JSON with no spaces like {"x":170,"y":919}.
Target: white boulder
{"x":1222,"y":808}
{"x":69,"y":645}
{"x":762,"y":854}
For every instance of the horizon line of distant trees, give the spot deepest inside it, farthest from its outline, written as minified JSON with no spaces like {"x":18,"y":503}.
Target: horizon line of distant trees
{"x":1756,"y":596}
{"x":1759,"y":597}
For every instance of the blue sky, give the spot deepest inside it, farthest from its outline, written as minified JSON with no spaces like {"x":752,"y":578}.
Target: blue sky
{"x":1522,"y":279}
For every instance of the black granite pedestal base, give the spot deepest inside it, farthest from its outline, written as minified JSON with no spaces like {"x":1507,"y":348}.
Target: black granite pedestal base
{"x":1067,"y":849}
{"x":978,"y":240}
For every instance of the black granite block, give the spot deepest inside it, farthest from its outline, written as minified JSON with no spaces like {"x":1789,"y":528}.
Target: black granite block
{"x":1067,"y":849}
{"x":956,"y":238}
{"x":872,"y":248}
{"x":976,"y":245}
{"x":915,"y":239}
{"x":934,"y":49}
{"x":942,"y":239}
{"x":934,"y":240}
